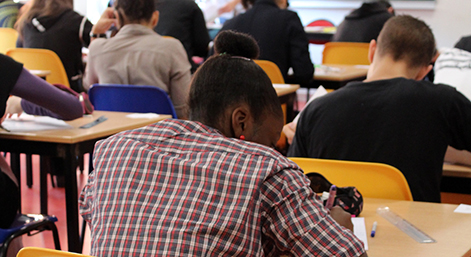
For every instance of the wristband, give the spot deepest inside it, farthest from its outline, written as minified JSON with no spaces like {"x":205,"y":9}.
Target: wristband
{"x":93,"y":35}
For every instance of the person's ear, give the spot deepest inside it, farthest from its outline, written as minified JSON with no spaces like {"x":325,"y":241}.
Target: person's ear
{"x":242,"y":122}
{"x":423,"y":72}
{"x":155,"y":18}
{"x":372,"y":50}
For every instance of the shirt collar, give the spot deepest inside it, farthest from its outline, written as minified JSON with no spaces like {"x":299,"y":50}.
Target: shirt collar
{"x":135,"y":30}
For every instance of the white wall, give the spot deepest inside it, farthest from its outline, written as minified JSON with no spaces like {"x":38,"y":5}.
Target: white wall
{"x":449,"y":20}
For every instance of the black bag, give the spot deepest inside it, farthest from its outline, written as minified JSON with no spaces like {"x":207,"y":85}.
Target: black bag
{"x":349,"y":198}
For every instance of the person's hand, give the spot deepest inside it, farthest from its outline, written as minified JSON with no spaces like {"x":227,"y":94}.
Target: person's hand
{"x":342,"y":217}
{"x":13,"y":107}
{"x":289,"y":130}
{"x":105,"y":22}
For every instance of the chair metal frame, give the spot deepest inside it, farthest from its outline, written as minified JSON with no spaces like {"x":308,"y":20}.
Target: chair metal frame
{"x":27,"y":224}
{"x":375,"y":180}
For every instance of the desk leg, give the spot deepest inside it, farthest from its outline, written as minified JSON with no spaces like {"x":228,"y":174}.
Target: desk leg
{"x":71,"y":198}
{"x":44,"y":166}
{"x":15,"y":167}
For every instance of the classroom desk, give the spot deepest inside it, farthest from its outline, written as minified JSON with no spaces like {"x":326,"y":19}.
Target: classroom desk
{"x":287,"y":94}
{"x":68,"y":144}
{"x":40,"y":73}
{"x":335,"y":76}
{"x":453,"y":170}
{"x":452,"y":231}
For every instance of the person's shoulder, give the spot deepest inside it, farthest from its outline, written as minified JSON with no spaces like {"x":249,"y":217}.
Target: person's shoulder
{"x":72,"y":16}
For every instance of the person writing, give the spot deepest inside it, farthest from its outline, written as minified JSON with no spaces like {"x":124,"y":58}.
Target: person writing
{"x":137,"y":55}
{"x":392,"y":117}
{"x":212,"y":185}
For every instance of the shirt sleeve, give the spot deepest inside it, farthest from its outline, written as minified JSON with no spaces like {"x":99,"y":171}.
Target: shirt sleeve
{"x":10,"y":71}
{"x":460,"y":121}
{"x":86,"y":198}
{"x":300,"y":59}
{"x":179,"y":87}
{"x":41,"y":98}
{"x":296,"y":223}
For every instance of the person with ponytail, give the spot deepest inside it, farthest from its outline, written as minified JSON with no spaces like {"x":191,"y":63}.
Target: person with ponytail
{"x":137,"y":55}
{"x":212,"y":185}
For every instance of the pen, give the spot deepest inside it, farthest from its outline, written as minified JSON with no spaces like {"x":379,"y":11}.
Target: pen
{"x":330,"y":201}
{"x":373,"y":230}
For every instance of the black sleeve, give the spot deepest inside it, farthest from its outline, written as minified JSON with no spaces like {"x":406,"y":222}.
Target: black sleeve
{"x":298,"y":147}
{"x":300,"y":59}
{"x":86,"y":33}
{"x":10,"y":71}
{"x":200,"y":33}
{"x":464,"y":44}
{"x":459,"y":120}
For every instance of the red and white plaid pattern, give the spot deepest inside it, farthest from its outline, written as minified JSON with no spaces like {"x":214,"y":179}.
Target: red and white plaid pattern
{"x":179,"y":188}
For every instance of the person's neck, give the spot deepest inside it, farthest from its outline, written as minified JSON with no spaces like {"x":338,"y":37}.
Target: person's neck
{"x":387,"y":68}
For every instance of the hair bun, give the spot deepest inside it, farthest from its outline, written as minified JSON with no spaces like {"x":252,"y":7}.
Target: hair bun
{"x":236,"y":44}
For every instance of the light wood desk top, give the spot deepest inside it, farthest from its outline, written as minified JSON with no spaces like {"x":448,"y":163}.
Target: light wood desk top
{"x":338,"y":72}
{"x":285,"y":89}
{"x":40,"y":73}
{"x":453,"y":170}
{"x":117,"y":122}
{"x":452,"y":231}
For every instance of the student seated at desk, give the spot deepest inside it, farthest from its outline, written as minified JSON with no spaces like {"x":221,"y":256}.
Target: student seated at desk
{"x":280,"y":35}
{"x":137,"y":55}
{"x":213,"y":185}
{"x":39,"y":98}
{"x":365,"y":23}
{"x":392,"y":117}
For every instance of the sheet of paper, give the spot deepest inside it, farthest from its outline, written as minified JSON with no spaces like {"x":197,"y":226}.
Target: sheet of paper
{"x":28,"y":123}
{"x":319,"y":92}
{"x":359,"y":229}
{"x":281,"y":85}
{"x":142,"y":115}
{"x":463,"y":208}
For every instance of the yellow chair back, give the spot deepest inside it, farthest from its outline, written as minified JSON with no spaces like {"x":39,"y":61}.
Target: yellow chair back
{"x":272,"y":70}
{"x":375,"y":180}
{"x":8,"y":39}
{"x":346,"y":53}
{"x":44,"y":252}
{"x":41,"y":59}
{"x":274,"y":73}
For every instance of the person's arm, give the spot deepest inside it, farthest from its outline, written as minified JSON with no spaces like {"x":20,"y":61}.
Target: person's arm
{"x":179,"y":87}
{"x":41,"y":98}
{"x":459,"y":157}
{"x":300,"y":59}
{"x":200,"y":34}
{"x":459,"y":121}
{"x":229,"y":7}
{"x":105,"y":22}
{"x":295,"y":221}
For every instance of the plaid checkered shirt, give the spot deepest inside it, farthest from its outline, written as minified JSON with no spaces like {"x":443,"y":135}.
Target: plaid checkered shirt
{"x":179,"y":188}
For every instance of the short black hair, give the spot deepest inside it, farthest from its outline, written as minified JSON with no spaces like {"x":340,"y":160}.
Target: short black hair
{"x":224,"y":81}
{"x":135,"y":10}
{"x":237,"y":44}
{"x":407,"y":38}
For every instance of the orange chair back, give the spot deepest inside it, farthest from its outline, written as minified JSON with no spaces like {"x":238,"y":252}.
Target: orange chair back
{"x":346,"y":53}
{"x":8,"y":39}
{"x":41,"y":59}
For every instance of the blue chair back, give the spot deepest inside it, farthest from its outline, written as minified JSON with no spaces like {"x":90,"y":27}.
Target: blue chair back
{"x":131,"y":98}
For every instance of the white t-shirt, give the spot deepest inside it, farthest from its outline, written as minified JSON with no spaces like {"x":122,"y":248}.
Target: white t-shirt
{"x":453,"y":67}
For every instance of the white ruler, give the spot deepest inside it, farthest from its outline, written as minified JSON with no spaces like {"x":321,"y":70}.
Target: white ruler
{"x":404,"y":225}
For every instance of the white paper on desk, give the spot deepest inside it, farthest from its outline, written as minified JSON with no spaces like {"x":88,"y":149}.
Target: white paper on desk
{"x":281,"y":85}
{"x":142,"y":115}
{"x":463,"y":208}
{"x":319,"y":92}
{"x":359,"y":229}
{"x":27,"y":123}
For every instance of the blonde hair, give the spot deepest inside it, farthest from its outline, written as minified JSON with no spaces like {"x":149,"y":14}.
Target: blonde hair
{"x":41,"y":8}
